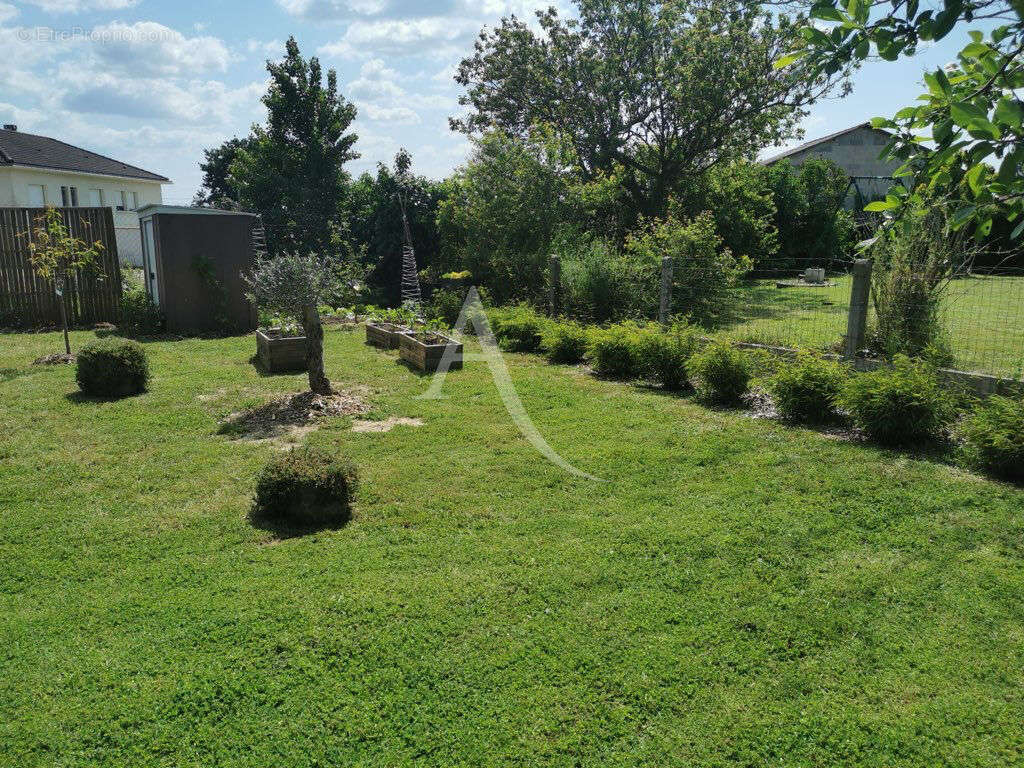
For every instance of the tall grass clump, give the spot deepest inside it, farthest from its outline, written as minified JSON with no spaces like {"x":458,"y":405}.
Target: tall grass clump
{"x":519,"y":328}
{"x":616,"y":351}
{"x":665,"y":354}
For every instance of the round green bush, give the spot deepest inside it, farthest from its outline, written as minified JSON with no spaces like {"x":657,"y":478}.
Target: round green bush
{"x":808,"y":390}
{"x":518,"y":328}
{"x":306,"y":486}
{"x":901,"y":405}
{"x":616,"y":351}
{"x":993,"y":437}
{"x":112,"y":368}
{"x":665,"y":354}
{"x":566,"y":343}
{"x":722,"y":373}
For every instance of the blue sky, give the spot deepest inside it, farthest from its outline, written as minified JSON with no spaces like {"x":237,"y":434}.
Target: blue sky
{"x":153,"y":83}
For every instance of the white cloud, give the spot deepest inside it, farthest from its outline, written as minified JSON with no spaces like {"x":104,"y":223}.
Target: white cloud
{"x":432,"y":36}
{"x":149,"y":48}
{"x":78,"y":6}
{"x":395,"y":115}
{"x":265,"y":48}
{"x":7,"y":12}
{"x":376,"y":83}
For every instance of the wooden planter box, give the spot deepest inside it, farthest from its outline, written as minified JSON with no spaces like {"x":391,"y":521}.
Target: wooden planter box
{"x":384,"y":335}
{"x":279,"y":354}
{"x":425,"y":350}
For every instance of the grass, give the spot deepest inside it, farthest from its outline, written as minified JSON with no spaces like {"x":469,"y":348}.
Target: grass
{"x":736,"y":593}
{"x":983,"y":316}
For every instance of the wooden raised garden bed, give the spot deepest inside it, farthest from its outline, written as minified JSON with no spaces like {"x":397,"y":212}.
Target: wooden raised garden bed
{"x":384,"y":335}
{"x":424,"y":350}
{"x":278,"y":353}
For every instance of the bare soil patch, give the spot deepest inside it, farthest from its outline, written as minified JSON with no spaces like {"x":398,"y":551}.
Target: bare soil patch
{"x":385,"y":426}
{"x":290,"y":418}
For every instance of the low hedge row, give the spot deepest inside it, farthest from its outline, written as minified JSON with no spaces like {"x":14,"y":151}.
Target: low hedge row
{"x":898,"y":405}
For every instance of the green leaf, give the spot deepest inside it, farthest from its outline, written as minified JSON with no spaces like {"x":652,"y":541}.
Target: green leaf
{"x":906,"y":113}
{"x":1009,"y":112}
{"x":963,"y":215}
{"x":827,"y":13}
{"x":1008,"y":168}
{"x":975,"y":177}
{"x":1017,"y":231}
{"x":882,"y":205}
{"x":785,"y":61}
{"x":964,"y":113}
{"x":863,"y":48}
{"x":983,"y":230}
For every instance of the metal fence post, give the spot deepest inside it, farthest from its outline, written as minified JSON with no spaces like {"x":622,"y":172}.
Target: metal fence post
{"x":860,"y":296}
{"x":666,"y":290}
{"x":555,"y":285}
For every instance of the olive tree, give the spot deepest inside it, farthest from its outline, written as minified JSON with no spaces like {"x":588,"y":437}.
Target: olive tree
{"x":294,"y":286}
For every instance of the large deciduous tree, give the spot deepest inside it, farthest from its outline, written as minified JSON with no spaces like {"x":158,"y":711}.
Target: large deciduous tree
{"x":655,"y":92}
{"x":219,"y":189}
{"x":292,"y":172}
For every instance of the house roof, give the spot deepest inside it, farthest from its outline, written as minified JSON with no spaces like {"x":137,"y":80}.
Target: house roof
{"x":19,"y":148}
{"x":815,"y":142}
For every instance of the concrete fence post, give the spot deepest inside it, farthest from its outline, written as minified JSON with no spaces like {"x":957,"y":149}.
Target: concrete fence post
{"x":857,"y":320}
{"x":555,"y":285}
{"x":665,"y":306}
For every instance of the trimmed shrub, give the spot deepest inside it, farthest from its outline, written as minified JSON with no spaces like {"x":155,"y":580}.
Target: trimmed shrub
{"x":518,"y":328}
{"x":901,"y":405}
{"x":140,"y":316}
{"x":566,"y":343}
{"x":993,"y":437}
{"x":306,"y":486}
{"x":664,"y":354}
{"x":722,"y":373}
{"x":617,"y":351}
{"x":808,"y":390}
{"x":112,"y":368}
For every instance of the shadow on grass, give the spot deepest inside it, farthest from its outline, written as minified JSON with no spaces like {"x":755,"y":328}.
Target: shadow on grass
{"x":81,"y":398}
{"x":262,"y":371}
{"x":10,"y":374}
{"x":763,"y":301}
{"x":417,"y":371}
{"x":284,"y":528}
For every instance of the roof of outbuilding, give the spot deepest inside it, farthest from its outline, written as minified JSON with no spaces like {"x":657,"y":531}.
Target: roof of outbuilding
{"x":815,"y":142}
{"x":19,"y":148}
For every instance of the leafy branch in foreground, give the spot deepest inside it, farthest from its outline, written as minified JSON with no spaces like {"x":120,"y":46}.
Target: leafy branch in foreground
{"x":965,"y":139}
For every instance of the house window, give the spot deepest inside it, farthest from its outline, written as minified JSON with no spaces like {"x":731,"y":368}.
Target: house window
{"x":135,"y":200}
{"x":65,"y":198}
{"x":36,"y":195}
{"x":74,"y":196}
{"x":124,"y":201}
{"x":96,"y":198}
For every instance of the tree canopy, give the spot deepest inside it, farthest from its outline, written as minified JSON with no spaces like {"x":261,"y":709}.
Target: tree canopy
{"x":654,"y":92}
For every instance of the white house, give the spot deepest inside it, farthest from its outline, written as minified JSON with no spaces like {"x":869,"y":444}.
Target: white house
{"x":37,"y":171}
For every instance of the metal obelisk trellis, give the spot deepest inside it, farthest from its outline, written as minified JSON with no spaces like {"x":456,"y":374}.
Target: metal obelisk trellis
{"x":410,"y":275}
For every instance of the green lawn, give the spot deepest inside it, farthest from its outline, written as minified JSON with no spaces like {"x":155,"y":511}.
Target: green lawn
{"x":737,"y":593}
{"x":983,"y":316}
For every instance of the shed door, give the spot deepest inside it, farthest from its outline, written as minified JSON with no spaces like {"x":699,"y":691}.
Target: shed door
{"x":149,"y":260}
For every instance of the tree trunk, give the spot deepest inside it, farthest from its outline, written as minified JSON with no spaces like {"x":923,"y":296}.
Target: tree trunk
{"x":318,"y":382}
{"x":64,"y":317}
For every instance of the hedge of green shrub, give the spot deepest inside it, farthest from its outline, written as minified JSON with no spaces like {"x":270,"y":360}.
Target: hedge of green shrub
{"x":566,"y":342}
{"x":306,"y":486}
{"x":616,"y":350}
{"x":993,"y":437}
{"x":140,"y":316}
{"x":901,"y":405}
{"x":112,"y":368}
{"x":721,"y":372}
{"x":664,"y":354}
{"x":808,"y":390}
{"x":519,"y":328}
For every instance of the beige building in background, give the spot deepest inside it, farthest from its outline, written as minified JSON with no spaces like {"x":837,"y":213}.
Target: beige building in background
{"x":36,"y":171}
{"x":857,"y":151}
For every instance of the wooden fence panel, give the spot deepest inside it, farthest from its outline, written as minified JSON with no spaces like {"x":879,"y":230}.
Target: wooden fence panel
{"x":91,"y":296}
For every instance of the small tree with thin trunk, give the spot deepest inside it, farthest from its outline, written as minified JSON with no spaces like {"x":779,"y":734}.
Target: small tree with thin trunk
{"x":57,"y":255}
{"x":294,"y":286}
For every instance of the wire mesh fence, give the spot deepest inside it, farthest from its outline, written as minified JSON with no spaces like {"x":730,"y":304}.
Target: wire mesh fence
{"x":978,"y":314}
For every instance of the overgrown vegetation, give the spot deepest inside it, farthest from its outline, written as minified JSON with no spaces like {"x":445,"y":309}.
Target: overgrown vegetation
{"x":306,"y":487}
{"x":808,"y":390}
{"x":993,"y":437}
{"x":721,"y":372}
